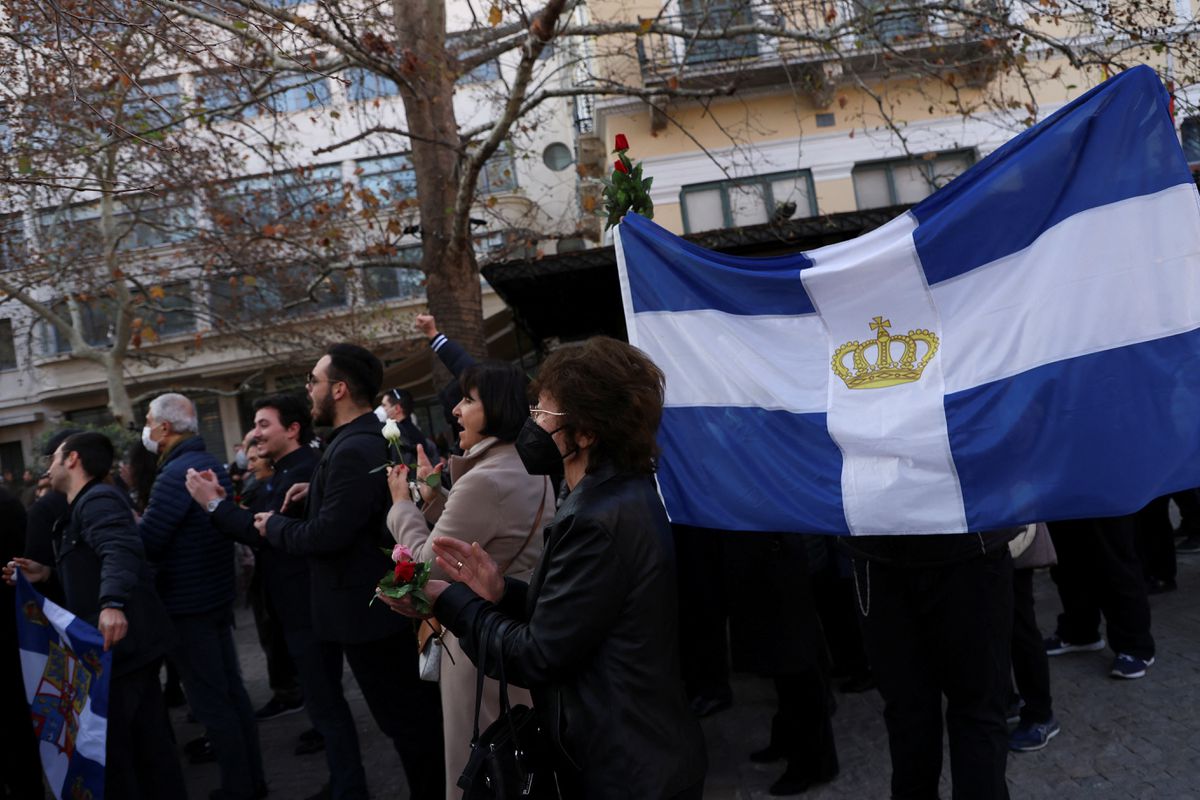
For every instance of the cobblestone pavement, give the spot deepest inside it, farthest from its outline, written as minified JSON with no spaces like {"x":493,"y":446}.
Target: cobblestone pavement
{"x":1120,"y":739}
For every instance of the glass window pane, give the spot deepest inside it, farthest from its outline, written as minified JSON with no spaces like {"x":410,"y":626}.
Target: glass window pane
{"x":871,"y":187}
{"x":948,"y":167}
{"x":297,"y":92}
{"x":792,"y":190}
{"x":365,"y":85}
{"x":388,"y":178}
{"x":499,"y":174}
{"x":8,"y":347}
{"x":703,"y":209}
{"x":748,"y":204}
{"x":912,"y":181}
{"x":1191,"y":138}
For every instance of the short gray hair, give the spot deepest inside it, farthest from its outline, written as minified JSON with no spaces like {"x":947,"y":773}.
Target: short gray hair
{"x":177,"y":410}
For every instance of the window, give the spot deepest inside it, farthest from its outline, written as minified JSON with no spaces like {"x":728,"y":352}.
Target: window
{"x":12,"y":241}
{"x":152,"y":106}
{"x":715,"y":16}
{"x":169,"y":310}
{"x":67,"y":233}
{"x":907,"y":180}
{"x":388,"y":178}
{"x":297,"y":92}
{"x":208,"y":423}
{"x":499,"y":174}
{"x":225,"y":94}
{"x":244,"y":298}
{"x":296,"y":195}
{"x":153,"y":221}
{"x":1190,"y":132}
{"x":96,"y":319}
{"x":484,"y":73}
{"x":557,"y":156}
{"x":8,"y":346}
{"x":747,"y":201}
{"x":388,"y":282}
{"x":365,"y":85}
{"x":887,"y":21}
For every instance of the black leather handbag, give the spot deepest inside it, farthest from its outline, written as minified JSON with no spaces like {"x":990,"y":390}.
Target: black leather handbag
{"x":511,"y":759}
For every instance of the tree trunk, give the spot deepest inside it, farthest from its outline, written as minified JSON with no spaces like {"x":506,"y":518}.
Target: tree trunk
{"x":452,"y":286}
{"x":118,"y":396}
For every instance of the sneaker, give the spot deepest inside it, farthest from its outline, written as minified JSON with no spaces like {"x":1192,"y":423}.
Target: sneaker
{"x":277,"y":708}
{"x":1127,"y":666}
{"x":1056,"y":646}
{"x":1030,"y":736}
{"x":1189,"y":545}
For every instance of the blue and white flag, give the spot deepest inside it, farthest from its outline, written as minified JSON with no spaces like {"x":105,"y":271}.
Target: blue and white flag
{"x":66,"y":675}
{"x":1024,"y":345}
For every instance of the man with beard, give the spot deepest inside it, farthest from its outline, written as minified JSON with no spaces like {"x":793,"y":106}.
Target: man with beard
{"x":105,"y":581}
{"x":342,"y":535}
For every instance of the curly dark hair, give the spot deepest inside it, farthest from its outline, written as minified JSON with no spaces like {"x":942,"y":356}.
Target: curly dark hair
{"x":611,"y":391}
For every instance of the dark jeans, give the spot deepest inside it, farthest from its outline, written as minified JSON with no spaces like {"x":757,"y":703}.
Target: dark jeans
{"x":141,"y":760}
{"x":320,"y":668}
{"x":407,"y":709}
{"x":1031,"y":667}
{"x":940,"y":630}
{"x":282,"y":673}
{"x":1098,"y":572}
{"x":208,"y":666}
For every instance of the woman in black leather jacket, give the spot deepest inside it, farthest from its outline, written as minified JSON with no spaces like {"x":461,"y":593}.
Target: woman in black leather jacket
{"x":593,"y":634}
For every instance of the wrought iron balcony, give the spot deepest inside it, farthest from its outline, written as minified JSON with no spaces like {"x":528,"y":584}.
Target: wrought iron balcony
{"x":720,"y":42}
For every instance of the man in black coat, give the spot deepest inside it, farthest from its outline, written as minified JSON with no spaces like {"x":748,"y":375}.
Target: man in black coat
{"x":343,"y":536}
{"x":19,"y":777}
{"x":105,"y":581}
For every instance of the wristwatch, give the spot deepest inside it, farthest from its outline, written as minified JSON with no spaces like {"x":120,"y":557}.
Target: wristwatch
{"x":211,"y":506}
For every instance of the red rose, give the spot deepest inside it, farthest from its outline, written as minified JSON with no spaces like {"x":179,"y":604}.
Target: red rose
{"x":622,"y":142}
{"x":620,"y":166}
{"x":405,"y":571}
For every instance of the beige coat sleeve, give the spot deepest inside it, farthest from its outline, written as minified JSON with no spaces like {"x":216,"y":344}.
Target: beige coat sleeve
{"x":470,"y":515}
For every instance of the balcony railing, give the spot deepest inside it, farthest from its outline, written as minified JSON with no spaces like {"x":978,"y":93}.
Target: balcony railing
{"x":863,"y":35}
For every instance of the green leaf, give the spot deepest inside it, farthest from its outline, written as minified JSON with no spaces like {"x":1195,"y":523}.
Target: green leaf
{"x":240,"y":25}
{"x":24,"y":165}
{"x":434,"y":480}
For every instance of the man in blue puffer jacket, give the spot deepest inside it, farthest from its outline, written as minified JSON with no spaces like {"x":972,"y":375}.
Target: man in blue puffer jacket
{"x":196,"y":582}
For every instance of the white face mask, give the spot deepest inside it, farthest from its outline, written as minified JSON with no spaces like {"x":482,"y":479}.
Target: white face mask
{"x":381,"y":414}
{"x":241,"y":459}
{"x":147,"y":442}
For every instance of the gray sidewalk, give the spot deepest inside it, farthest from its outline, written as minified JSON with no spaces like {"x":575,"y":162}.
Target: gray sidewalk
{"x":1120,"y":739}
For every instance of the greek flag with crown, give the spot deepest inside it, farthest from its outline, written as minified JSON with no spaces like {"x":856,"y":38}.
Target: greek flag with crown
{"x":1023,"y":345}
{"x":66,"y":674}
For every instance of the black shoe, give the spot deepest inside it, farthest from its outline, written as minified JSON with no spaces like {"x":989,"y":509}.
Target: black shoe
{"x":200,"y":751}
{"x":1159,"y":586}
{"x":1189,"y":545}
{"x":793,"y":782}
{"x":310,"y":742}
{"x":277,"y":708}
{"x":324,"y":794}
{"x":857,"y":684}
{"x":767,"y":755}
{"x":707,"y":706}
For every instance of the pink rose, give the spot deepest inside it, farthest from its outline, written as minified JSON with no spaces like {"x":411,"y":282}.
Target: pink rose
{"x":401,"y":553}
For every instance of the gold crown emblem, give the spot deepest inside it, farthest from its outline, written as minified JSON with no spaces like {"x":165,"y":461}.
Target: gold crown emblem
{"x":894,"y":359}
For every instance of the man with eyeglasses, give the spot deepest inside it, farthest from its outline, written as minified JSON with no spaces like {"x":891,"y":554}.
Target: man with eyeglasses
{"x":342,"y":534}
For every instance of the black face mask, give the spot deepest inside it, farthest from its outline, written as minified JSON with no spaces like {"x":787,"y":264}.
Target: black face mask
{"x":535,"y":445}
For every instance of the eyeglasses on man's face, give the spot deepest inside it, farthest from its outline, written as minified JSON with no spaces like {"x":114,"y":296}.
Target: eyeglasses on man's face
{"x":538,"y":414}
{"x":313,"y":380}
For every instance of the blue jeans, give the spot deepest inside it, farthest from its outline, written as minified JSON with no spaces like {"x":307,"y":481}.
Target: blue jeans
{"x":208,"y":667}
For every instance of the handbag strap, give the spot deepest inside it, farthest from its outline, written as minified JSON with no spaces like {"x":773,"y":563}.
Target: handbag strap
{"x":537,"y":521}
{"x":482,"y":635}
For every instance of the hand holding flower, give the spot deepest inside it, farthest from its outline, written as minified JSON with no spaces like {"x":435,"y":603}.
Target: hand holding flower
{"x":398,"y":484}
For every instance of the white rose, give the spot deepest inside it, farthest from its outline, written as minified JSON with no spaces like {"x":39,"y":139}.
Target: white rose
{"x":391,"y":431}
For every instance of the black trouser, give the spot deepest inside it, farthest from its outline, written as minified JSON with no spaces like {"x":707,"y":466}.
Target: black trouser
{"x":1030,"y":665}
{"x":20,"y":763}
{"x":801,"y":728}
{"x":407,"y":709}
{"x":281,"y":668}
{"x":946,"y":630}
{"x":1098,"y":572}
{"x":141,"y":762}
{"x":703,"y":613}
{"x":833,"y":592}
{"x":1156,"y":540}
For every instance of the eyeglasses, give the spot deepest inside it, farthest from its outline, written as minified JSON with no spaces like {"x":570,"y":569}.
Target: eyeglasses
{"x":536,"y":413}
{"x":313,"y":380}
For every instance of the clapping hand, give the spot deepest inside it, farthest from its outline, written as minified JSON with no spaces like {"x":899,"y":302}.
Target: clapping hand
{"x":470,"y":564}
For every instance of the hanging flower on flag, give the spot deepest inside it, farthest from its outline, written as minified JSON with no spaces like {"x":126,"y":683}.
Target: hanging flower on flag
{"x":626,"y":190}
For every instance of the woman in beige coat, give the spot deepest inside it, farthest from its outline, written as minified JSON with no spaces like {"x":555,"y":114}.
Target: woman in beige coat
{"x":494,"y":501}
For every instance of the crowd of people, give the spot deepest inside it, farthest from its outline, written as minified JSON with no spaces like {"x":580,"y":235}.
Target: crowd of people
{"x":554,"y":565}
